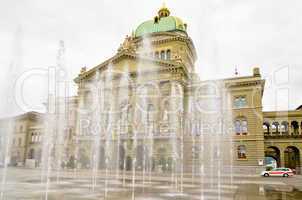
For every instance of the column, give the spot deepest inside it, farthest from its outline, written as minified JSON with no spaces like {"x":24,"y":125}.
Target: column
{"x":281,"y":157}
{"x":289,"y":128}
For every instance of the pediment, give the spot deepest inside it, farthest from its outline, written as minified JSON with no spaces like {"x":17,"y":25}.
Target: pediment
{"x":130,"y":62}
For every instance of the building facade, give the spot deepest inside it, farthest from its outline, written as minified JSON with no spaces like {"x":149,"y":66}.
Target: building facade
{"x":154,"y":70}
{"x":24,"y":140}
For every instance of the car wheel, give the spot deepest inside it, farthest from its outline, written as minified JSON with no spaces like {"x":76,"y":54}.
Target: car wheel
{"x":266,"y":175}
{"x":285,"y":175}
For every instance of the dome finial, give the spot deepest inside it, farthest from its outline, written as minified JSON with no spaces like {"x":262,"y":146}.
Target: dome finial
{"x":164,"y":11}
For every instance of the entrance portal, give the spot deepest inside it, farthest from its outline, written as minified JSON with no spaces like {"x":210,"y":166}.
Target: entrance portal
{"x":292,"y":158}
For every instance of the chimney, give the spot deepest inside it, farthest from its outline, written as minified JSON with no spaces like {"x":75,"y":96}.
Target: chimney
{"x":256,"y":72}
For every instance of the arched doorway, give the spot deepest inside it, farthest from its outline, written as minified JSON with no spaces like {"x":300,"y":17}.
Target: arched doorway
{"x":102,"y":163}
{"x":122,"y":155}
{"x":295,"y":127}
{"x":163,"y":163}
{"x":31,"y":154}
{"x":128,"y":163}
{"x":272,"y":154}
{"x":292,"y":158}
{"x":142,"y":161}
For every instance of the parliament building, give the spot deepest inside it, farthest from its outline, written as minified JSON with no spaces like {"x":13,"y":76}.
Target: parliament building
{"x":181,"y":117}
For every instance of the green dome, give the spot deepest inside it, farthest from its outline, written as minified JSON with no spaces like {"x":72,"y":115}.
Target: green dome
{"x":163,"y":24}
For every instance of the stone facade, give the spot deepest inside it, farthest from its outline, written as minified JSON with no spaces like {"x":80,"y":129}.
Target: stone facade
{"x":24,"y":142}
{"x":164,"y":63}
{"x":283,"y":134}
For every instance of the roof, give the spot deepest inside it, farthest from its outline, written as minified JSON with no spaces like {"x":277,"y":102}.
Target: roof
{"x":282,"y":114}
{"x":161,"y":23}
{"x":164,"y":24}
{"x":28,"y":115}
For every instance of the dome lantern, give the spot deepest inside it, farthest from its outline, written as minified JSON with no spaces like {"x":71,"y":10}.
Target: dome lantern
{"x":164,"y":11}
{"x":163,"y":22}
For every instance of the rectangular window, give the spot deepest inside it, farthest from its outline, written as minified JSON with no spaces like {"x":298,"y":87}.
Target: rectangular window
{"x":241,"y":152}
{"x":240,"y":102}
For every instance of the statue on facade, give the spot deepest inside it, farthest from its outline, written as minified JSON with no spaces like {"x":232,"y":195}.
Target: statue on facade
{"x":83,"y":70}
{"x":128,"y":45}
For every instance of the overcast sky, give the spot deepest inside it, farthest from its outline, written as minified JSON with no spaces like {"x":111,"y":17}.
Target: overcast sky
{"x":227,"y":34}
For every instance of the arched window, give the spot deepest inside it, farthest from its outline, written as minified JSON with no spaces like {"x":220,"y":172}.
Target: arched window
{"x":244,"y":127}
{"x":295,"y":127}
{"x":238,"y":127}
{"x":266,"y":128}
{"x":241,"y":126}
{"x":156,"y":55}
{"x":168,"y":54}
{"x":276,"y":127}
{"x":284,"y":127}
{"x":241,"y":152}
{"x":162,"y":55}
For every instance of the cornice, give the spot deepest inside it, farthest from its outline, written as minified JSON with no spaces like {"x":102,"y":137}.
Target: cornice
{"x":172,"y":37}
{"x":244,"y":83}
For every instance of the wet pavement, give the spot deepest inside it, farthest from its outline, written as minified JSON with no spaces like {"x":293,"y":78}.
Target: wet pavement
{"x":27,"y":184}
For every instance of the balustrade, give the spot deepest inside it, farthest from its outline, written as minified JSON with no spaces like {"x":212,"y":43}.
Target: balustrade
{"x":292,"y":130}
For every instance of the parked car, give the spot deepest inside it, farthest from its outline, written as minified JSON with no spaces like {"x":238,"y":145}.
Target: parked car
{"x":285,"y":172}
